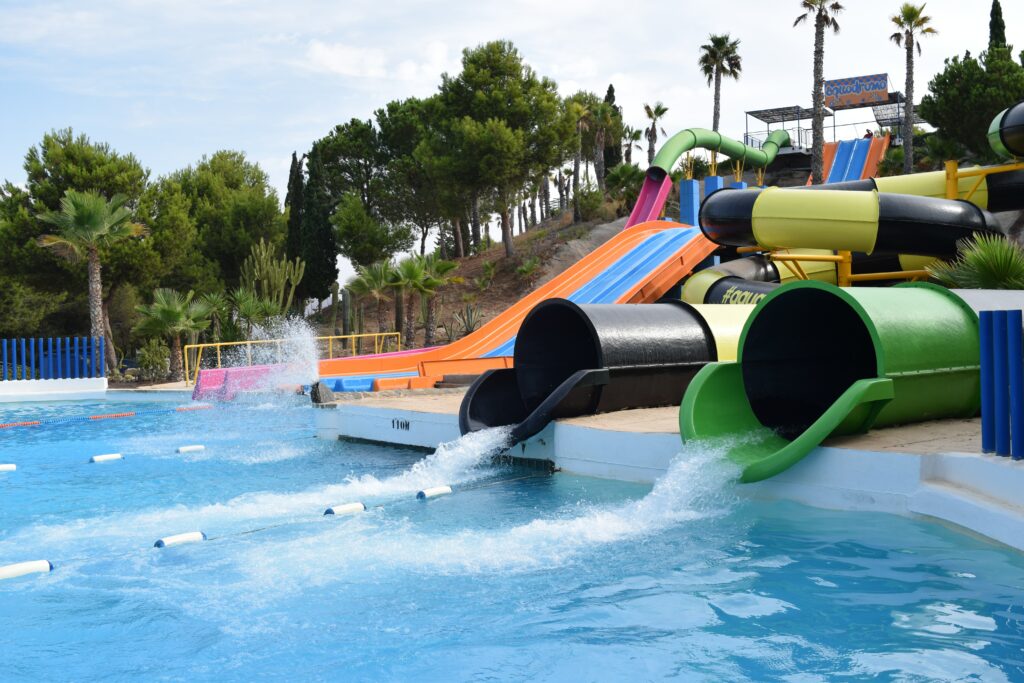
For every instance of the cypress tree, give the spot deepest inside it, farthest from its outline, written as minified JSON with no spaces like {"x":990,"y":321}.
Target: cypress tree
{"x":996,"y":26}
{"x":612,"y":145}
{"x":319,"y":248}
{"x":293,"y":202}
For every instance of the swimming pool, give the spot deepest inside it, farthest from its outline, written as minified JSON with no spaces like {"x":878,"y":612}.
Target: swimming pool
{"x":518,"y":576}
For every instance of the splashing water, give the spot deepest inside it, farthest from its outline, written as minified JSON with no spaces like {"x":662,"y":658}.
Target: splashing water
{"x":295,"y":358}
{"x":454,"y":462}
{"x":697,"y":485}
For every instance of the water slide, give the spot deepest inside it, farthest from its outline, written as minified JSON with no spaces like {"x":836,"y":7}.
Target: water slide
{"x":853,"y":159}
{"x":573,"y":360}
{"x":658,"y":182}
{"x":815,"y":360}
{"x":637,"y":265}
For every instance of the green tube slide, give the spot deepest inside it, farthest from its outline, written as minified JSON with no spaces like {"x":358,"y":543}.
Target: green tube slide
{"x":693,"y":138}
{"x":815,"y":360}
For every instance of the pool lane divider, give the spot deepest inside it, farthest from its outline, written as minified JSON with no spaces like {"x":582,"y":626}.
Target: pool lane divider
{"x":180,"y":539}
{"x":193,"y":448}
{"x":433,"y":492}
{"x":8,"y":467}
{"x":13,"y":571}
{"x":106,"y":457}
{"x":345,"y":509}
{"x":106,"y":416}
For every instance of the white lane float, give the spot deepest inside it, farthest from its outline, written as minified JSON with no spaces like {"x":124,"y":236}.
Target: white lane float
{"x":8,"y":467}
{"x":180,"y":539}
{"x":433,"y":492}
{"x":193,"y":448}
{"x":345,"y":509}
{"x":106,"y":457}
{"x":12,"y":571}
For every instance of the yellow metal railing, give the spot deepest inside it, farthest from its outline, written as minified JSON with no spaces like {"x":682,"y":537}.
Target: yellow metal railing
{"x":345,"y":344}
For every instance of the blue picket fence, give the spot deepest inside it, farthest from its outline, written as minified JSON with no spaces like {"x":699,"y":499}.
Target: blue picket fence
{"x":1002,"y":383}
{"x":51,"y":358}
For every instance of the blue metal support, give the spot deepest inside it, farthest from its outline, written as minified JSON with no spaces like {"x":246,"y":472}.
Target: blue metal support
{"x":740,"y":185}
{"x":3,"y":352}
{"x":22,"y":358}
{"x":77,"y":367}
{"x":87,"y":361}
{"x":67,"y":358}
{"x":1015,"y":368}
{"x":988,"y":384}
{"x":31,"y":359}
{"x":49,"y":356}
{"x":689,"y":202}
{"x":103,"y":357}
{"x":712,"y":184}
{"x":1002,"y":402}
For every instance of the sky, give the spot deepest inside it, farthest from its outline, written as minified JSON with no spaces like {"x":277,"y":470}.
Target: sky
{"x":171,"y":81}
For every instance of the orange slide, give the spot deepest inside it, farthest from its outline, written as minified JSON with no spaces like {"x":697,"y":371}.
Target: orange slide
{"x":467,"y":355}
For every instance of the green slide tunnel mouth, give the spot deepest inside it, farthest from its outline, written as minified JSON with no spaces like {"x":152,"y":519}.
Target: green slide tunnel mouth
{"x":816,"y":361}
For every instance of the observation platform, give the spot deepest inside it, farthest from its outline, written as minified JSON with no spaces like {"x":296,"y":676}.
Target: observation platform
{"x":933,"y":469}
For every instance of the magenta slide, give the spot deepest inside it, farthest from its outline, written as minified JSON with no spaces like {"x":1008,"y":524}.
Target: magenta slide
{"x":651,"y":200}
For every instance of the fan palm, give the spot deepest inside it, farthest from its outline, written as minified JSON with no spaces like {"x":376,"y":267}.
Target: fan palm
{"x":85,"y":224}
{"x":824,"y":14}
{"x":602,"y":120}
{"x":911,"y":23}
{"x":438,"y":275}
{"x":170,"y":315}
{"x":630,"y":140}
{"x":374,"y":282}
{"x":410,"y":279}
{"x":720,"y":57}
{"x":579,"y":114}
{"x":985,"y":262}
{"x":220,"y":310}
{"x":654,"y":114}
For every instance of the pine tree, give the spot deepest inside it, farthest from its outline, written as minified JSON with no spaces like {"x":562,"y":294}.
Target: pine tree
{"x":293,"y":202}
{"x":996,"y":27}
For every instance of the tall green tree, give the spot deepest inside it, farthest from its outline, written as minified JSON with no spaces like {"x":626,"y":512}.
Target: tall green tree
{"x":510,"y":107}
{"x":911,"y":24}
{"x":996,"y":26}
{"x":84,"y":225}
{"x":654,"y":116}
{"x":823,"y":13}
{"x":613,"y":146}
{"x":293,"y":204}
{"x":319,"y":237}
{"x":968,"y":93}
{"x":603,"y":123}
{"x":720,"y":57}
{"x":630,"y":141}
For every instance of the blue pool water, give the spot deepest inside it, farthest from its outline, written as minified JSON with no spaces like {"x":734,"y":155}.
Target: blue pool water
{"x":518,"y":576}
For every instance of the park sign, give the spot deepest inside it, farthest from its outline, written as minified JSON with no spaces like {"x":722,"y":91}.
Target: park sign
{"x":859,"y":91}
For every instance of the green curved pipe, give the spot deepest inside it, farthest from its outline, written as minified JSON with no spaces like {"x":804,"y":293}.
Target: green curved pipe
{"x":692,"y":138}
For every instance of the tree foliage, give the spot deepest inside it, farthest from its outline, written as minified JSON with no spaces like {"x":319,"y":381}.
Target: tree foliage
{"x":967,"y":94}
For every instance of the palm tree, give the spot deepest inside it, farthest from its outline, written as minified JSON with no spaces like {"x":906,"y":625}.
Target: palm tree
{"x":580,"y":115}
{"x":170,"y":315}
{"x":410,"y":279}
{"x":630,"y":140}
{"x":719,"y":57}
{"x":375,"y":283}
{"x":654,"y":115}
{"x":437,"y":271}
{"x":220,"y":310}
{"x":911,"y":22}
{"x":824,"y":14}
{"x":250,"y":310}
{"x":86,"y":223}
{"x":602,"y":120}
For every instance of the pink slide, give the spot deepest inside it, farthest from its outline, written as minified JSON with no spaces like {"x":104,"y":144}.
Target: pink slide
{"x":651,"y":200}
{"x":225,"y":383}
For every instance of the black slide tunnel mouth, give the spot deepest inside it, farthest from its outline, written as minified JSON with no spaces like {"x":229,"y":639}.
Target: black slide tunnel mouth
{"x":555,"y":340}
{"x":800,"y":352}
{"x":726,"y":217}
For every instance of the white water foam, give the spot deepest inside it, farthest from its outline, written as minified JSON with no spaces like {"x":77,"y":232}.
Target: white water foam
{"x":455,"y":462}
{"x":696,"y":486}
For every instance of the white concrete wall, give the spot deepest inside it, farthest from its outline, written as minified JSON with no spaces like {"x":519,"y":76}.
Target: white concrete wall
{"x":982,"y":493}
{"x":52,"y":389}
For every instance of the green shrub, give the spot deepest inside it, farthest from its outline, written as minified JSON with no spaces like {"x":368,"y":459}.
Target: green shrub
{"x":528,"y":268}
{"x":154,"y":361}
{"x":985,"y":262}
{"x":590,"y":204}
{"x":468,"y":319}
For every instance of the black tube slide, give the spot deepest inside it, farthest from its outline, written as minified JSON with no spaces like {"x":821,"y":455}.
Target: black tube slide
{"x":901,"y":223}
{"x":573,"y":360}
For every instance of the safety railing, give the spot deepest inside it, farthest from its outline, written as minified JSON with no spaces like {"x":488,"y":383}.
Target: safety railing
{"x":267,"y":351}
{"x":51,"y":358}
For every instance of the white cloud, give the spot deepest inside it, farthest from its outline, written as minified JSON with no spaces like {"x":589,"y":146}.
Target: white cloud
{"x":345,"y":60}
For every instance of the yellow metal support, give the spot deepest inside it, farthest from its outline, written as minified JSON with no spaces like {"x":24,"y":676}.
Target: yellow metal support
{"x":737,"y":170}
{"x":952,"y":179}
{"x":713,"y":166}
{"x":844,"y":269}
{"x":759,"y":176}
{"x":380,"y":341}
